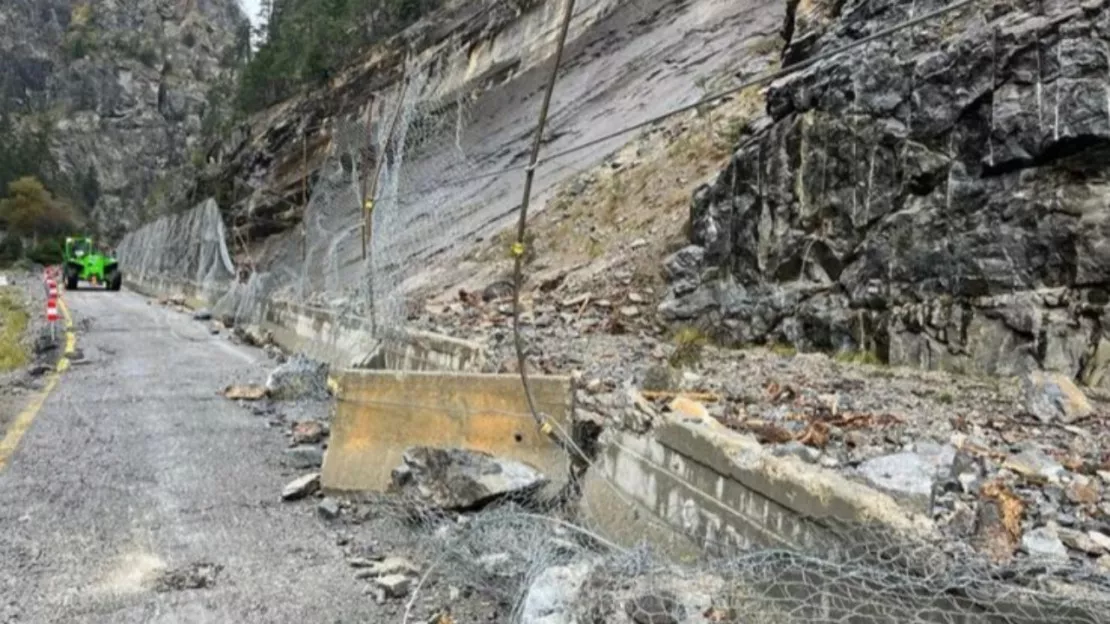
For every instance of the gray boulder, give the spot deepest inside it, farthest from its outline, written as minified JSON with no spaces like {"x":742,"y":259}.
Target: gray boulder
{"x":910,"y":476}
{"x":1053,"y":397}
{"x":553,"y":595}
{"x":299,"y":378}
{"x":463,"y":479}
{"x":304,"y":456}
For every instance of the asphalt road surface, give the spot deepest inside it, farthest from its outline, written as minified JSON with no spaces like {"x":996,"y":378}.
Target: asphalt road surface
{"x":135,"y":466}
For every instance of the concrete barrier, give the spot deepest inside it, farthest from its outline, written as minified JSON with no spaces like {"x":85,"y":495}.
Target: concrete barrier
{"x":379,"y":414}
{"x":194,"y":296}
{"x":341,"y":340}
{"x":347,"y":341}
{"x":698,"y":486}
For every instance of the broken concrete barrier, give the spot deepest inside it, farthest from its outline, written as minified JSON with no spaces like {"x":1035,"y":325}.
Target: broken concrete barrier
{"x":381,"y":414}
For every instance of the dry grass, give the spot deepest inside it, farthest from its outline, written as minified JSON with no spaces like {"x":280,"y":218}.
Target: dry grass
{"x":770,"y":44}
{"x":783,"y":349}
{"x":858,"y":357}
{"x":689,"y":342}
{"x":642,"y":192}
{"x":13,"y":325}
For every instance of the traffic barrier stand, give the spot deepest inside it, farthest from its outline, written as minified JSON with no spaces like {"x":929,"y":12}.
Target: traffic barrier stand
{"x":52,"y":317}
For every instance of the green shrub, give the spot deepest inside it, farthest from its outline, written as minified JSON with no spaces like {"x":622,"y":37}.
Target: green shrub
{"x":46,"y":252}
{"x":13,"y":324}
{"x":11,"y":249}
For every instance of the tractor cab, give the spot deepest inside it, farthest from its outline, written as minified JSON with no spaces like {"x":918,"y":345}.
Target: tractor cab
{"x":78,"y":247}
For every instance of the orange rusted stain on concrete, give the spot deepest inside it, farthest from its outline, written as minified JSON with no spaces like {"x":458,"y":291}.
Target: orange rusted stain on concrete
{"x":379,"y":414}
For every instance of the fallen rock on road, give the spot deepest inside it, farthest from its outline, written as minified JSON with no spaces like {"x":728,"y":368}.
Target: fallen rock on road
{"x":304,"y":456}
{"x":463,"y":479}
{"x":192,"y":576}
{"x":237,"y":392}
{"x":308,"y":432}
{"x":299,"y":378}
{"x":301,"y":487}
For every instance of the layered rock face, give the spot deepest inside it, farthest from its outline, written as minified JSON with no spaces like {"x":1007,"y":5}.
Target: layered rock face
{"x":938,"y":197}
{"x":123,"y":86}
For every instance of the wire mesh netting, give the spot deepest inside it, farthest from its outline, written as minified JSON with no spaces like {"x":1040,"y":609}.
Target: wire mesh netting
{"x":534,"y":559}
{"x":190,"y":248}
{"x":424,"y":158}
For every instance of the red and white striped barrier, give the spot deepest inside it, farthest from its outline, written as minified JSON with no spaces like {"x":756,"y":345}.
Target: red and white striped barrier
{"x":52,"y":317}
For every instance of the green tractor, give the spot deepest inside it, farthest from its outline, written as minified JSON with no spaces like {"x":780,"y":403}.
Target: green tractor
{"x":85,"y":262}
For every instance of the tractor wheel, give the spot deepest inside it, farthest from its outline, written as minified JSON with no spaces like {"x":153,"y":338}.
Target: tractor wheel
{"x":71,"y":280}
{"x":114,"y":280}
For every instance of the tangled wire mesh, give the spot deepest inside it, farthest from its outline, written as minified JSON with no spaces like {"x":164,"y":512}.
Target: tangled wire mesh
{"x":534,"y":562}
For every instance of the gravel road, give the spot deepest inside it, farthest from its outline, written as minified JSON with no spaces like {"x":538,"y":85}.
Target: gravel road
{"x":136,"y":468}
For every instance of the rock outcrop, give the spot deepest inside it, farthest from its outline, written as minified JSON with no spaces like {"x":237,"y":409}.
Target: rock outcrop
{"x":936,"y":197}
{"x":122,"y":87}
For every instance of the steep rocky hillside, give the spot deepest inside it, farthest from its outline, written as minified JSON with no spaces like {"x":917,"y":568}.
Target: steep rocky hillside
{"x":121,"y":86}
{"x":937,"y":198}
{"x":932,"y":199}
{"x":477,"y":70}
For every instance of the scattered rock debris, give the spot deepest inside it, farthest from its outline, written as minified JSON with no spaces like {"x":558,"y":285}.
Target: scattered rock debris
{"x":462,"y":479}
{"x":301,"y":487}
{"x":987,"y":459}
{"x":192,"y":576}
{"x":252,"y":335}
{"x":245,"y":392}
{"x":308,"y":432}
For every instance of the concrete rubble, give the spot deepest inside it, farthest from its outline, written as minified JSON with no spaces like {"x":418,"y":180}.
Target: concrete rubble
{"x":588,"y":591}
{"x":462,"y":479}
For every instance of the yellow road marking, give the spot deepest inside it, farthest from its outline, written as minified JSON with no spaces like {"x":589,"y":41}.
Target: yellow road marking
{"x":22,"y":423}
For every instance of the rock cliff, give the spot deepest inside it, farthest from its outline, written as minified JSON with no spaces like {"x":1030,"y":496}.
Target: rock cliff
{"x":477,"y":71}
{"x":937,"y":198}
{"x":122,"y":87}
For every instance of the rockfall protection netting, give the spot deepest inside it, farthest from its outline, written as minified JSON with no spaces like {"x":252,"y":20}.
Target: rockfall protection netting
{"x":535,"y":564}
{"x":189,"y":248}
{"x":444,"y":164}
